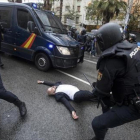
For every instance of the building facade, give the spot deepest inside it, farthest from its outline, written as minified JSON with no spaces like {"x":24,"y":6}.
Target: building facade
{"x":78,"y":7}
{"x":73,"y":12}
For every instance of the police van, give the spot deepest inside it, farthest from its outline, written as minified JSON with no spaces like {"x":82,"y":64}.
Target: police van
{"x":38,"y":36}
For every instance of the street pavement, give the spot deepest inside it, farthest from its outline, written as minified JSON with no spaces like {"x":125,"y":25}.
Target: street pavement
{"x":46,"y":118}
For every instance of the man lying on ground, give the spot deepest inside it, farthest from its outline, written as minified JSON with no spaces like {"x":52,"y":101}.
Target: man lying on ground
{"x":64,"y":93}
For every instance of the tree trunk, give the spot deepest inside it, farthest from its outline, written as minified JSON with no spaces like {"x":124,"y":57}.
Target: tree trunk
{"x":61,"y":6}
{"x":47,"y":5}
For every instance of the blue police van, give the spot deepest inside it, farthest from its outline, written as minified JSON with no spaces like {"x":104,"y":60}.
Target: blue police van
{"x":38,"y":36}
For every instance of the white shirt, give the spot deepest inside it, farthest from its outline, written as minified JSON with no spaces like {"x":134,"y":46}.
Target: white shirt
{"x":67,"y":89}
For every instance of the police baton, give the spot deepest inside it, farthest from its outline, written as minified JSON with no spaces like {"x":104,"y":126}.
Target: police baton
{"x":99,"y":100}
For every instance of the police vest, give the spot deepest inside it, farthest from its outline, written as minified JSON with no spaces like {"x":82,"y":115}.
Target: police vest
{"x":130,"y":53}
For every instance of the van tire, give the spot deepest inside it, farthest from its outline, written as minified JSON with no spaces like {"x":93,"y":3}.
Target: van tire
{"x":42,"y":62}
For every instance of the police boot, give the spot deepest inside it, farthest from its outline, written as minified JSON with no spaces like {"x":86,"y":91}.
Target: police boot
{"x":22,"y":108}
{"x":1,"y":65}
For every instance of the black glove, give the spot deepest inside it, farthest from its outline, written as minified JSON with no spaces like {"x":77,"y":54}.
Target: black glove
{"x":94,"y":84}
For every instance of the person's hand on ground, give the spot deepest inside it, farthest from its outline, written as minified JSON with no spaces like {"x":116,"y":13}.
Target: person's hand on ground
{"x":40,"y":82}
{"x":74,"y":116}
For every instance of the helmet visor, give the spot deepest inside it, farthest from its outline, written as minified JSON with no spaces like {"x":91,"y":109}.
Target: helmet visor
{"x":99,"y":45}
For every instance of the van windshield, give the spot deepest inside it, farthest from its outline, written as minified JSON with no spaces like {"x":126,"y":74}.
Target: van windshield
{"x":50,"y":22}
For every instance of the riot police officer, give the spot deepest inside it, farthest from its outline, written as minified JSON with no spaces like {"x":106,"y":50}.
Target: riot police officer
{"x":118,"y":72}
{"x":9,"y":96}
{"x":73,"y":32}
{"x":1,"y":31}
{"x":132,"y":38}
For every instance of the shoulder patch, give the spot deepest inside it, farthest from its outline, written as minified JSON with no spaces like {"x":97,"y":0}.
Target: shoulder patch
{"x":99,"y":77}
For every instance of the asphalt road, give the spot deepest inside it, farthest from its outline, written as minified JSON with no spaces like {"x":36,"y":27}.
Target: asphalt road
{"x":47,"y":119}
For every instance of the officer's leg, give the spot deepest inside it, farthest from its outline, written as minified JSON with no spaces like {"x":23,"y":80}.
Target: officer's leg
{"x":10,"y":97}
{"x":84,"y":95}
{"x":112,"y":118}
{"x":1,"y":64}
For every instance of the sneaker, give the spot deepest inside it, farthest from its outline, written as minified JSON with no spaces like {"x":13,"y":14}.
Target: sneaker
{"x":22,"y":109}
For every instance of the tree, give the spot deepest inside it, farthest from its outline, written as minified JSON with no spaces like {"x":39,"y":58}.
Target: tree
{"x":72,"y":14}
{"x":134,"y":23}
{"x":106,"y":9}
{"x":92,"y":12}
{"x":47,"y":4}
{"x":61,"y":6}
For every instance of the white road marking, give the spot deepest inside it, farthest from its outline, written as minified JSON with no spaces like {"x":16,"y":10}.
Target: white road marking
{"x":90,"y":61}
{"x":73,"y":77}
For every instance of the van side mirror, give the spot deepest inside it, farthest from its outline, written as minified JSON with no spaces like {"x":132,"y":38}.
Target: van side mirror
{"x":31,"y":26}
{"x":36,"y":31}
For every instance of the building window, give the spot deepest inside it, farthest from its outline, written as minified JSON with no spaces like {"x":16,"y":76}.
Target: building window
{"x":58,"y":8}
{"x":77,"y":20}
{"x":78,"y":8}
{"x":67,"y":8}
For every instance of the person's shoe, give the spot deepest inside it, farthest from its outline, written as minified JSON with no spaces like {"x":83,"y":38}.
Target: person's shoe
{"x":22,"y":109}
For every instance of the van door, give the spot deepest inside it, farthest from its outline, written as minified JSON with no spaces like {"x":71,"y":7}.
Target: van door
{"x":8,"y":42}
{"x":24,"y":39}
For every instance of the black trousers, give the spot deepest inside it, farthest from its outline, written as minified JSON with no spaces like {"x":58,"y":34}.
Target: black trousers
{"x":7,"y":95}
{"x":83,"y":95}
{"x":116,"y":116}
{"x":0,"y":50}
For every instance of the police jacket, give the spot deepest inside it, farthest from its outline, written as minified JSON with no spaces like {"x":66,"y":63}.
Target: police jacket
{"x":119,"y":72}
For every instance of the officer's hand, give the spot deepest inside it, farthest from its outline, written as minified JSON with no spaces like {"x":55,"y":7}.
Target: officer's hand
{"x":94,"y":84}
{"x":40,"y":82}
{"x":74,"y":116}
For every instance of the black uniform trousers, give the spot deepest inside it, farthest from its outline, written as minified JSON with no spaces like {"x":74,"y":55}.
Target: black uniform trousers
{"x":116,"y":116}
{"x":8,"y":96}
{"x":0,"y":56}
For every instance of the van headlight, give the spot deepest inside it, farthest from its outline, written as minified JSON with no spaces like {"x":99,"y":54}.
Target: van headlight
{"x":63,"y":50}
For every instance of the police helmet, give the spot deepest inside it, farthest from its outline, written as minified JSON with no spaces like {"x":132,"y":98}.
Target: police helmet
{"x":132,"y":37}
{"x":73,"y":29}
{"x":83,"y":32}
{"x":108,"y":35}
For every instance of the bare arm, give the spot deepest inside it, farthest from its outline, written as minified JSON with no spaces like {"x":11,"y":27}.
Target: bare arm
{"x":45,"y":83}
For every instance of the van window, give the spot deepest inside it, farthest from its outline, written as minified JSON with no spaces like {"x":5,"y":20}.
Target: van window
{"x":51,"y":22}
{"x":5,"y":16}
{"x":23,"y":16}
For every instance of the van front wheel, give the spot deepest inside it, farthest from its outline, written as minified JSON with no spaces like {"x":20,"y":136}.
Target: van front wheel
{"x":42,"y":62}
